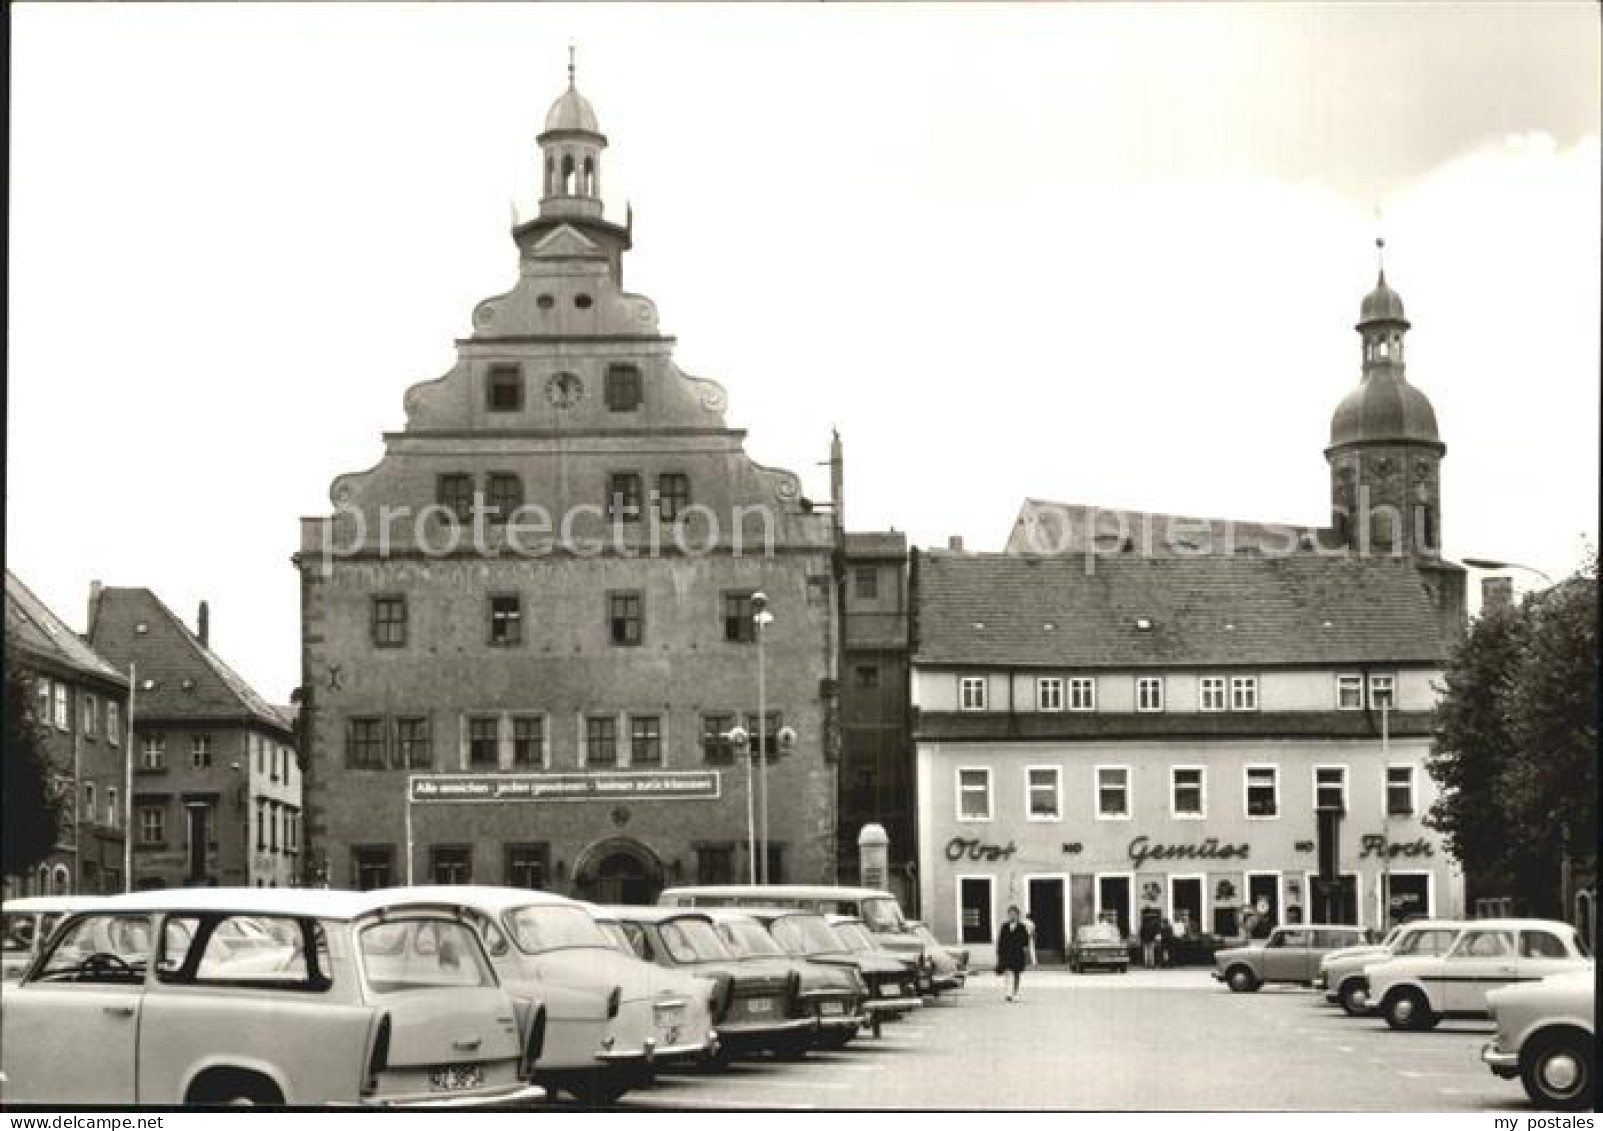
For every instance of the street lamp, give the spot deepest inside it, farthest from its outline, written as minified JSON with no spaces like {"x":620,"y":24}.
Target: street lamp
{"x":741,"y":741}
{"x":1490,"y":563}
{"x":762,"y":618}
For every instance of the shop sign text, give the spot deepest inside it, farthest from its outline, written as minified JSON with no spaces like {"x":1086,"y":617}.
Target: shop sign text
{"x":1142,"y":849}
{"x":1376,"y":845}
{"x":971,"y":848}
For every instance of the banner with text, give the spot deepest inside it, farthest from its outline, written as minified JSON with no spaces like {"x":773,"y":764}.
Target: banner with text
{"x":645,"y":785}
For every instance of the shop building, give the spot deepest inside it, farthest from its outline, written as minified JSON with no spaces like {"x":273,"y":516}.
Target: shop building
{"x":530,"y":631}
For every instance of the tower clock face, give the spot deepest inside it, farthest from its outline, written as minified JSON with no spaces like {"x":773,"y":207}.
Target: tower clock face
{"x":564,"y":389}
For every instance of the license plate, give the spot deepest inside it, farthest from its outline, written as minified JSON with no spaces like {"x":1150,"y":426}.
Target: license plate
{"x":670,"y":1015}
{"x":760,"y":1005}
{"x":455,"y":1078}
{"x":890,"y":989}
{"x":832,"y":1009}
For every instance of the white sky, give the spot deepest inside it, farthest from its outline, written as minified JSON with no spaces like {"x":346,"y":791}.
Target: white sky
{"x":1107,"y":255}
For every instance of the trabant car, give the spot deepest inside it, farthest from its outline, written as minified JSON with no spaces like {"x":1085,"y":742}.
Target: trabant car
{"x":25,"y":925}
{"x":610,"y":1018}
{"x":831,"y":994}
{"x":879,"y":911}
{"x":142,"y":1000}
{"x":1098,"y":946}
{"x":1289,"y":954}
{"x":1546,"y":1037}
{"x":757,"y":1006}
{"x":1417,"y":991}
{"x":1341,"y":972}
{"x":892,"y":990}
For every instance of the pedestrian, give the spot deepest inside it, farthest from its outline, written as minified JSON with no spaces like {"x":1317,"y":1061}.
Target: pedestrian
{"x":1012,"y":950}
{"x":1165,"y":943}
{"x":1149,"y":941}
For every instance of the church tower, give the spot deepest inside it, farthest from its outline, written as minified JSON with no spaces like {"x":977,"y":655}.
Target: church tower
{"x":1385,"y":453}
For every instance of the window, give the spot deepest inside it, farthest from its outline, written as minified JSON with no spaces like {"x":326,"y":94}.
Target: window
{"x":1113,"y":793}
{"x":44,"y":686}
{"x":451,"y":863}
{"x":1484,"y":944}
{"x":1049,"y":694}
{"x":528,"y":865}
{"x":372,"y":866}
{"x":528,"y":741}
{"x":152,"y":824}
{"x":971,"y":693}
{"x":1042,"y":785}
{"x":389,"y":621}
{"x":86,"y":716}
{"x":601,"y":740}
{"x":1541,"y":944}
{"x":113,"y":809}
{"x":504,"y":495}
{"x":1082,"y":694}
{"x":1212,"y":693}
{"x":623,"y":497}
{"x":673,"y":496}
{"x":624,"y":618}
{"x":769,"y":738}
{"x":974,"y":795}
{"x":153,"y":752}
{"x":1244,"y":693}
{"x":865,"y":580}
{"x":506,"y":619}
{"x":482,"y":742}
{"x":715,"y":864}
{"x":261,"y":824}
{"x":974,"y":901}
{"x":113,"y":722}
{"x":63,"y":721}
{"x":1349,"y":693}
{"x":1399,"y":791}
{"x":1382,"y":692}
{"x":739,"y":627}
{"x":867,"y":677}
{"x":776,"y":864}
{"x":645,"y":740}
{"x":503,"y":387}
{"x":1187,"y":785}
{"x":1263,"y":791}
{"x":364,"y":744}
{"x":200,"y":751}
{"x":1149,"y":693}
{"x":413,"y":744}
{"x":716,"y":749}
{"x":1330,"y":788}
{"x":622,"y":388}
{"x":454,"y":492}
{"x":89,"y":801}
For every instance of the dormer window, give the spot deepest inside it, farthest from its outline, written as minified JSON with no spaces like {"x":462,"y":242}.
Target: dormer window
{"x":504,"y":389}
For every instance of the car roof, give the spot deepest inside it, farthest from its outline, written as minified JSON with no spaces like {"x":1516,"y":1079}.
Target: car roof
{"x":320,"y":903}
{"x":480,"y":897}
{"x":46,"y":903}
{"x":779,"y":891}
{"x":837,"y":920}
{"x":640,"y":914}
{"x":1514,"y":924}
{"x":763,"y":913}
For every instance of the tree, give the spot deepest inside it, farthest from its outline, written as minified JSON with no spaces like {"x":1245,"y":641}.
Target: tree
{"x":30,"y":802}
{"x":1515,"y":743}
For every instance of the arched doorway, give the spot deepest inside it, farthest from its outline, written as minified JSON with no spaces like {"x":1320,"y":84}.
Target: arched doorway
{"x":619,"y":871}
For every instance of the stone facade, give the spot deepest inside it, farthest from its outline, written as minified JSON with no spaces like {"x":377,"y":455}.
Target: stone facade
{"x":547,"y":581}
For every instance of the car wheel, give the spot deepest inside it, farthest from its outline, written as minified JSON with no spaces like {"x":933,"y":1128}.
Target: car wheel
{"x":1408,"y":1011}
{"x":1241,"y":980}
{"x":1354,"y":997}
{"x":1556,"y":1069}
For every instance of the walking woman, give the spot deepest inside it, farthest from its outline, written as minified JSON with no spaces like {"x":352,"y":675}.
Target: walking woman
{"x":1012,"y":950}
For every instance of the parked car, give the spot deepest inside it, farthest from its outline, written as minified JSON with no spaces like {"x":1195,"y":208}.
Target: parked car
{"x":757,"y":1005}
{"x":1417,"y":991}
{"x":1098,"y":946}
{"x":1289,"y":954}
{"x":25,"y":926}
{"x":610,"y":1017}
{"x":891,"y":988}
{"x":831,"y":994}
{"x":142,"y":1000}
{"x":879,"y":911}
{"x":1546,"y":1037}
{"x":951,"y":962}
{"x":1341,"y":972}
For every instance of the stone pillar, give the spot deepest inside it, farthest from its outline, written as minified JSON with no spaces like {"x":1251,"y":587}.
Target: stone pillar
{"x":873,"y":856}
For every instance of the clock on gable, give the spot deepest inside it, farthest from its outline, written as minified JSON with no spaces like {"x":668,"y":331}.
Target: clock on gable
{"x":564,"y":389}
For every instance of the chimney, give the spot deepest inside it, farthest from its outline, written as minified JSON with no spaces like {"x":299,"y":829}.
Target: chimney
{"x":94,"y":608}
{"x":1496,"y":593}
{"x":955,"y":543}
{"x":203,"y":625}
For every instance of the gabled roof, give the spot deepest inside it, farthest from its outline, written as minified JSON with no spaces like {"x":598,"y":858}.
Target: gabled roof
{"x":33,"y":629}
{"x":1047,"y":527}
{"x":1245,"y":609}
{"x":178,"y":677}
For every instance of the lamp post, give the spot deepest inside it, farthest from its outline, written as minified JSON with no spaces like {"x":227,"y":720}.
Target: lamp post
{"x":1385,"y":815}
{"x":762,"y":618}
{"x":741,"y":741}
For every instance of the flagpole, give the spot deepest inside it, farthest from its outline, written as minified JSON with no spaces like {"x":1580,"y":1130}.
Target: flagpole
{"x":128,"y":785}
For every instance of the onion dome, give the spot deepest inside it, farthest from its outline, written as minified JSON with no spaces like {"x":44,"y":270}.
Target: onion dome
{"x":1381,"y":305}
{"x":1384,"y":408}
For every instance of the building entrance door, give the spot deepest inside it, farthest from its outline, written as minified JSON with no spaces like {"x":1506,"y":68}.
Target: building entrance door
{"x":620,"y":872}
{"x":1046,"y":909}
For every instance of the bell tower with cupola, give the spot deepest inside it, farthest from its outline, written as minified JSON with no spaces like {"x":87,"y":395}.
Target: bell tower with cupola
{"x":1385,"y":453}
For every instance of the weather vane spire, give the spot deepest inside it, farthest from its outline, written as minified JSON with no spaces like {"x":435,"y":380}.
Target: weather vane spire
{"x":1380,"y":244}
{"x":572,"y":51}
